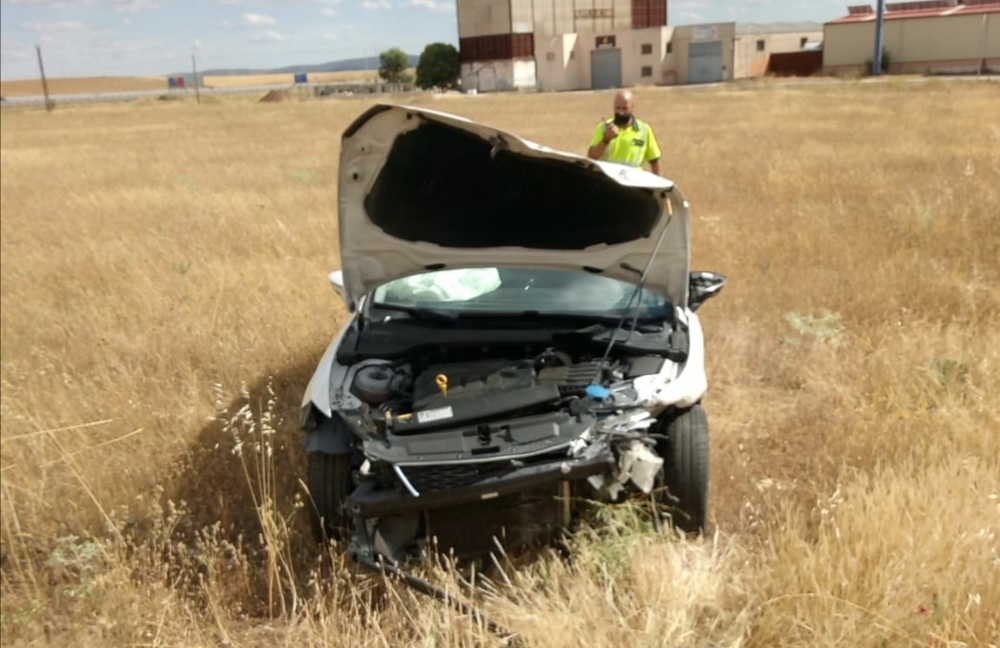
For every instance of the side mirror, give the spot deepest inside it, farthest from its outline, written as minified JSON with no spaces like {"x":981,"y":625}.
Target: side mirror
{"x":702,"y":286}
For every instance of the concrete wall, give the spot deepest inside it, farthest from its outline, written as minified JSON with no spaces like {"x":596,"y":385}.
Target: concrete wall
{"x":749,"y":61}
{"x":556,"y":63}
{"x":494,"y":76}
{"x":543,"y":17}
{"x":522,"y":16}
{"x":552,"y":17}
{"x":683,"y":36}
{"x":939,"y":44}
{"x":564,"y":61}
{"x":524,"y":73}
{"x":483,"y":17}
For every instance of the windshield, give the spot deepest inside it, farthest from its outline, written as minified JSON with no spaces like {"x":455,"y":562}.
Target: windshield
{"x":517,"y":290}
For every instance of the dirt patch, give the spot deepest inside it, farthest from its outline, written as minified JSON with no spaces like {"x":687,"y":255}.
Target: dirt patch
{"x":276,"y":95}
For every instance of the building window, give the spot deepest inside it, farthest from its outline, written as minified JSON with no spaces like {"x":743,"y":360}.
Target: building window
{"x":647,"y":71}
{"x":803,"y":41}
{"x":550,"y":56}
{"x":670,"y":48}
{"x":760,"y":45}
{"x":647,"y":48}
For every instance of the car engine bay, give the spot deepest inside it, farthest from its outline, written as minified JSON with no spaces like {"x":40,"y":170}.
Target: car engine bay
{"x":410,"y":395}
{"x":450,"y":427}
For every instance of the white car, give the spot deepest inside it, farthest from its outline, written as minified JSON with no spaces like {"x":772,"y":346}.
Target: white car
{"x":522,"y":340}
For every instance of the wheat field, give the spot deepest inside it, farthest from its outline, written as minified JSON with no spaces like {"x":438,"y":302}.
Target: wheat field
{"x":164,"y":301}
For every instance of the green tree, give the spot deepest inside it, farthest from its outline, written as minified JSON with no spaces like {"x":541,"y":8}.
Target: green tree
{"x":438,"y":66}
{"x":392,"y":63}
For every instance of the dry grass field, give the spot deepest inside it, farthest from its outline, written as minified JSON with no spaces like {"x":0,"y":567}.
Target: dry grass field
{"x":81,"y":85}
{"x":90,"y":85}
{"x":241,"y":80}
{"x":163,"y":262}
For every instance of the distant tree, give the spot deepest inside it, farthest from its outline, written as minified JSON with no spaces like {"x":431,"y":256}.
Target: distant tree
{"x":438,"y":66}
{"x":392,"y":63}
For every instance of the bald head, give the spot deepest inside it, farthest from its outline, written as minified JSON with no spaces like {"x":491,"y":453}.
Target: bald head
{"x":624,"y":104}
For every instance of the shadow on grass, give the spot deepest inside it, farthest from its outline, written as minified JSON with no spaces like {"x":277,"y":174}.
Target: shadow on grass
{"x":228,"y":467}
{"x":242,"y":488}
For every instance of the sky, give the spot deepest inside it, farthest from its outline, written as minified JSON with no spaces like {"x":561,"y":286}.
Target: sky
{"x":158,"y":37}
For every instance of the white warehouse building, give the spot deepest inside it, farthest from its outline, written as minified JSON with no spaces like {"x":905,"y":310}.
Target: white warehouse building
{"x":553,"y":45}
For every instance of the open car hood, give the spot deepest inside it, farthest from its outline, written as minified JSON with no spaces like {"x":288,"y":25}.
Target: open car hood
{"x":424,"y":190}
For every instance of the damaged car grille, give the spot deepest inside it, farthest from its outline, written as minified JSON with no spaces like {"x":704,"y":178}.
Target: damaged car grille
{"x":434,"y":478}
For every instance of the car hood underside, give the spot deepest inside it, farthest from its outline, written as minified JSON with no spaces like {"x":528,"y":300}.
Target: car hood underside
{"x":423,"y":190}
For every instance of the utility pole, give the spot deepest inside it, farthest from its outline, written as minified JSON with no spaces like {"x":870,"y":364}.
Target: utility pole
{"x":879,"y":20}
{"x":45,"y":84}
{"x":982,"y":58}
{"x":194,"y":70}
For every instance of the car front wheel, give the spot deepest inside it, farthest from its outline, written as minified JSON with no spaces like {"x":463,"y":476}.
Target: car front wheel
{"x":684,"y":448}
{"x":329,"y":482}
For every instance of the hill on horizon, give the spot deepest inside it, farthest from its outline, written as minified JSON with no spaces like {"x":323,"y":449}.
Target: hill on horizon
{"x":343,"y":65}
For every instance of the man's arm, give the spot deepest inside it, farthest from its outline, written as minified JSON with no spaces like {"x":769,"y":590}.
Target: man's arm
{"x":653,"y":153}
{"x":599,"y":142}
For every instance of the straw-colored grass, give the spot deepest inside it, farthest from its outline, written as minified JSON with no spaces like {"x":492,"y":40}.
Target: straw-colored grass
{"x":157,"y":256}
{"x":243,"y":80}
{"x":81,"y":85}
{"x":92,"y":85}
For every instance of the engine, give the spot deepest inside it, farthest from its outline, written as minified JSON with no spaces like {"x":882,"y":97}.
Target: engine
{"x":456,"y":421}
{"x":431,"y":392}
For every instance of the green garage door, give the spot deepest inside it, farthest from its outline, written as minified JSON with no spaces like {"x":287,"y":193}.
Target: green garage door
{"x":605,"y":68}
{"x":705,"y":62}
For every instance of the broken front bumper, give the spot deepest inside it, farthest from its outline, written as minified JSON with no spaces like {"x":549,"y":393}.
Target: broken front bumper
{"x":466,"y":504}
{"x":559,"y":447}
{"x":367,"y":501}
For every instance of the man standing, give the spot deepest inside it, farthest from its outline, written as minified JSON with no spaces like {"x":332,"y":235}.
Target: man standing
{"x":625,"y":139}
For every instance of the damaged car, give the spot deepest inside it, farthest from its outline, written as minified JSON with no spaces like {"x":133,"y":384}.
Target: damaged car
{"x":521,"y":339}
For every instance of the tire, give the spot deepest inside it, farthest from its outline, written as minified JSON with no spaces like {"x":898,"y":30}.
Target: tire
{"x":329,"y":480}
{"x":685,"y":467}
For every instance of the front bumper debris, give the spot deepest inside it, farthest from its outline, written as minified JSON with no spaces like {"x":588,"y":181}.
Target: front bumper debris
{"x":366,"y":501}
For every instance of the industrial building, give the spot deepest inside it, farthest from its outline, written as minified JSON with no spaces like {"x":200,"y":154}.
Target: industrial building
{"x":497,"y":39}
{"x":632,"y":57}
{"x":930,"y":37}
{"x":553,"y":45}
{"x":757,"y":42}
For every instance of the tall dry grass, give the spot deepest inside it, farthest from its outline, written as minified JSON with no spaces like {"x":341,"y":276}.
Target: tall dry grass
{"x":164,"y":300}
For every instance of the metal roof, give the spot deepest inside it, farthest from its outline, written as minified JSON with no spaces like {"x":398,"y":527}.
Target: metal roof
{"x":920,"y":10}
{"x":778,"y":28}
